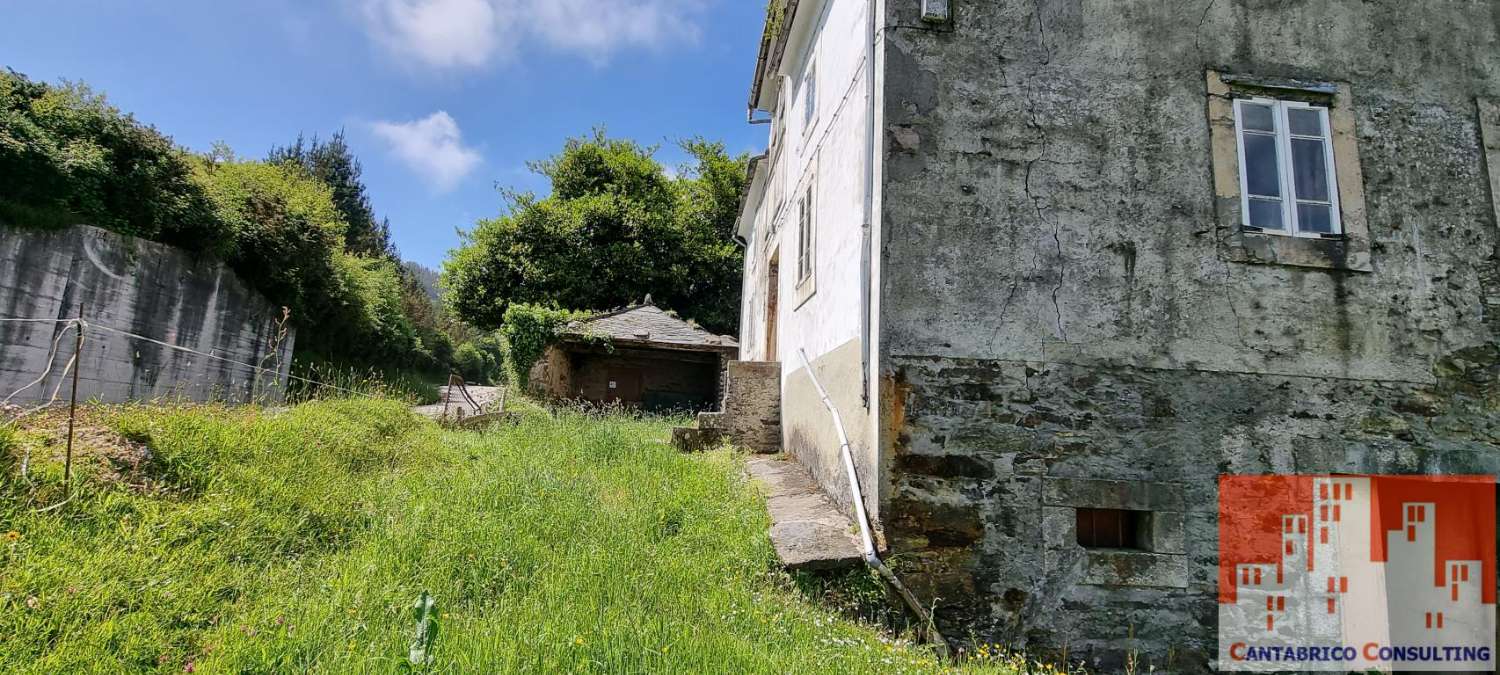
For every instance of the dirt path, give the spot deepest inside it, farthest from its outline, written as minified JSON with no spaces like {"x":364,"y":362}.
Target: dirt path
{"x":456,"y":401}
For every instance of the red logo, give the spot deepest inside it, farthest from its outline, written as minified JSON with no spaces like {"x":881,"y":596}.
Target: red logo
{"x":1356,"y":572}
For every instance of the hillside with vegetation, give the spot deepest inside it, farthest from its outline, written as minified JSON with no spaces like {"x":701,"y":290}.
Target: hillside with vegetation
{"x":297,"y":225}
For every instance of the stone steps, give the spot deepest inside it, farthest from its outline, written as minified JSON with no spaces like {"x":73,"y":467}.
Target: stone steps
{"x":807,"y":530}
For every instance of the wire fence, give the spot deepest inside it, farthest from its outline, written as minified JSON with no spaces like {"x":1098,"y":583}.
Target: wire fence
{"x":58,"y":374}
{"x":232,"y":380}
{"x":76,"y":353}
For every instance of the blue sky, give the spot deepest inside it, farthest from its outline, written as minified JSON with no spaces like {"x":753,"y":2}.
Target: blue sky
{"x":441,"y":99}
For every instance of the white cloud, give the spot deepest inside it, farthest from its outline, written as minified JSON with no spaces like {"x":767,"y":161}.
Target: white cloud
{"x":438,"y":33}
{"x":456,"y":34}
{"x":432,"y":147}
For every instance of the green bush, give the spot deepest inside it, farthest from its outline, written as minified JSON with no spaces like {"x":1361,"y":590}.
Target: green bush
{"x":285,"y":234}
{"x":67,"y":157}
{"x":471,"y":362}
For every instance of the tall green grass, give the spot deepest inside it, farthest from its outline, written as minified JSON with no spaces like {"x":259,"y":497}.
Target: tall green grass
{"x":321,"y":379}
{"x":299,"y":541}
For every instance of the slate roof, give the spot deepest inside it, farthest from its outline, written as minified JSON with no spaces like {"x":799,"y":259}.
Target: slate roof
{"x":649,"y":326}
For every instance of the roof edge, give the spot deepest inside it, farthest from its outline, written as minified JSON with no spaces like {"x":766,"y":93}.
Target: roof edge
{"x":752,"y":175}
{"x":780,"y":15}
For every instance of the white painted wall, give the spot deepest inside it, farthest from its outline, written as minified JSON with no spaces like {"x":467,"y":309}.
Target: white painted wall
{"x":830,"y":155}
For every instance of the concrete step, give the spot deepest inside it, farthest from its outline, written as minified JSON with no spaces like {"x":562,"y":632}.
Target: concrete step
{"x":807,"y":530}
{"x":711,"y":420}
{"x":689,"y":439}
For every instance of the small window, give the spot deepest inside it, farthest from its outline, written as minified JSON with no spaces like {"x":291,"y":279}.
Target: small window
{"x":1287,"y":177}
{"x":809,"y":99}
{"x":1110,"y":528}
{"x":805,"y":236}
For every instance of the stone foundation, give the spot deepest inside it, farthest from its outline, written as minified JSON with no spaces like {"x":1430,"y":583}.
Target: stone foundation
{"x":996,"y":456}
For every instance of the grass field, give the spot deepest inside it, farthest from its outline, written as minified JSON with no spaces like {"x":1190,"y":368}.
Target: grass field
{"x":255,"y":541}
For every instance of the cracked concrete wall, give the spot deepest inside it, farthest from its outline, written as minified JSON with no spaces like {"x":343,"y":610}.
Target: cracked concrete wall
{"x":141,"y":287}
{"x":1055,"y":304}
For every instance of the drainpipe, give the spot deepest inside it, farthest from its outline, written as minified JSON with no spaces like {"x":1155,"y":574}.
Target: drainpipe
{"x":872,"y":557}
{"x":866,"y":257}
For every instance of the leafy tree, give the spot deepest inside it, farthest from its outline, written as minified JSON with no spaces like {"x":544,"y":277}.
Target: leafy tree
{"x":333,"y":163}
{"x":283,"y":228}
{"x":369,"y":323}
{"x":615,"y":228}
{"x":67,"y":157}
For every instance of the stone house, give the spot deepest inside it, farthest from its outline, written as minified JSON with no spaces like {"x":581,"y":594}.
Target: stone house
{"x":639,"y":356}
{"x":1068,"y":261}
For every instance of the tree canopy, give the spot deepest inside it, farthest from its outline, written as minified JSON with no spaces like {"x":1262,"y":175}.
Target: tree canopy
{"x":334,"y":163}
{"x":68,"y":156}
{"x":615,"y":228}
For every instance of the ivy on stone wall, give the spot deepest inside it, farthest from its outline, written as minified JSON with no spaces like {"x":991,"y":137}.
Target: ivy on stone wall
{"x":528,"y":331}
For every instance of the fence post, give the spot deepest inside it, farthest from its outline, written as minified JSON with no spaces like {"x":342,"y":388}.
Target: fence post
{"x":73,"y":405}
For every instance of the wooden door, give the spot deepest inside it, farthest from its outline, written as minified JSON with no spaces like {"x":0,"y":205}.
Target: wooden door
{"x":624,"y":386}
{"x":773,"y":291}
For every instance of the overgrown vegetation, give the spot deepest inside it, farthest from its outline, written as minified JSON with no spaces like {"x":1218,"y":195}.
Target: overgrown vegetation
{"x":528,"y":331}
{"x":298,"y":227}
{"x":67,"y":156}
{"x":615,"y":228}
{"x":251,"y":541}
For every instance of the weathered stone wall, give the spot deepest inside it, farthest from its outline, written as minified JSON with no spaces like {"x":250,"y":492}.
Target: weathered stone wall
{"x":751,"y":416}
{"x":140,"y":287}
{"x":551,"y":377}
{"x":1063,"y":326}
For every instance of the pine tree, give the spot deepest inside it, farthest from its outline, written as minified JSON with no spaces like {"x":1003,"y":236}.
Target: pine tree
{"x":335,"y":164}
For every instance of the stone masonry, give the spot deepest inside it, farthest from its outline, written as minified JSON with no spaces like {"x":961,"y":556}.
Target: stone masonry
{"x":751,"y":416}
{"x":1070,"y":316}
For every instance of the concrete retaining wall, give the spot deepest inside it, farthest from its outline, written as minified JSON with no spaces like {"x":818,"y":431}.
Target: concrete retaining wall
{"x":139,"y":287}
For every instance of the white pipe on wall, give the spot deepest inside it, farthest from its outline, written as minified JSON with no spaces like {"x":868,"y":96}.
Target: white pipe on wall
{"x":871,"y":555}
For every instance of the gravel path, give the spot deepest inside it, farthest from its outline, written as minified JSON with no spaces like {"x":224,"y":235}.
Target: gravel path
{"x":456,"y":401}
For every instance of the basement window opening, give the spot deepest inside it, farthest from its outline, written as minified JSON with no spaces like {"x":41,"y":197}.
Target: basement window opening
{"x":1111,"y":528}
{"x":1287,"y":176}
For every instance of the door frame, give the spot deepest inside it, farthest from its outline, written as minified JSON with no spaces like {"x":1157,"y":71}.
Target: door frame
{"x":773,"y":305}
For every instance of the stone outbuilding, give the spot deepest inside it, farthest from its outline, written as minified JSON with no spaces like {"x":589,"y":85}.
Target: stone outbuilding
{"x":640,"y":356}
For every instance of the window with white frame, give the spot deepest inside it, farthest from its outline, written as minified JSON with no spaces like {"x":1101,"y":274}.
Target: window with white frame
{"x":778,"y":190}
{"x":809,"y":99}
{"x":805,"y":235}
{"x":1288,"y":183}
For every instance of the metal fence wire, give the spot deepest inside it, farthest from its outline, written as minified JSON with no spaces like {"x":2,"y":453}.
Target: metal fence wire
{"x":248,"y":382}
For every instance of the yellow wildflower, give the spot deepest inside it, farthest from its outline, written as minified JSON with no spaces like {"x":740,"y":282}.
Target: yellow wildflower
{"x":12,"y":536}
